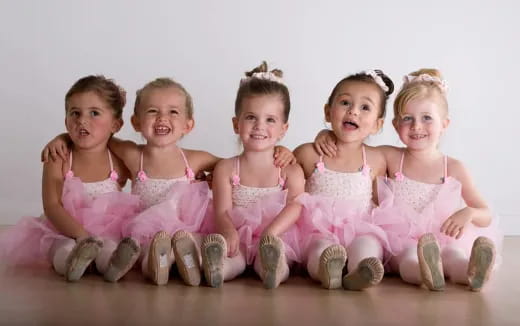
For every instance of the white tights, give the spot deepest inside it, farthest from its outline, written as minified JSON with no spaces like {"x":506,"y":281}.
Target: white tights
{"x":454,"y":262}
{"x":361,"y":247}
{"x":62,"y":248}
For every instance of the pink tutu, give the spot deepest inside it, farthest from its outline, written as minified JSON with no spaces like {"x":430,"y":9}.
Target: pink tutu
{"x":336,"y":219}
{"x":30,"y":240}
{"x":404,"y":225}
{"x":184,"y":209}
{"x":251,"y":221}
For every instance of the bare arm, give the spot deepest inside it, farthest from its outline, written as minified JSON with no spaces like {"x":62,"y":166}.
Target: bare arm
{"x":295,"y":183}
{"x":52,"y":185}
{"x":476,"y":212}
{"x":223,"y":203}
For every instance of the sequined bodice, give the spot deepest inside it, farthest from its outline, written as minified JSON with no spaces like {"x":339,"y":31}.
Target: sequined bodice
{"x":97,"y":188}
{"x":352,"y":186}
{"x":415,"y":194}
{"x":94,"y":189}
{"x":154,"y":191}
{"x":244,"y":196}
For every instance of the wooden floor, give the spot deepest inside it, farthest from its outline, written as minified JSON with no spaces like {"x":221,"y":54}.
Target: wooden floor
{"x":40,"y":297}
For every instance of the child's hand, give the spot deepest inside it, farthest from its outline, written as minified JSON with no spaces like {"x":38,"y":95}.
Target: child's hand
{"x":325,"y":143}
{"x":57,"y":147}
{"x":232,"y":240}
{"x":455,"y":224}
{"x":283,"y":157}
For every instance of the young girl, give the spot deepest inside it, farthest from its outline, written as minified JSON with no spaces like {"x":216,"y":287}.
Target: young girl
{"x":422,"y":202}
{"x":81,"y":193}
{"x":163,"y":177}
{"x":338,"y":201}
{"x":254,"y":200}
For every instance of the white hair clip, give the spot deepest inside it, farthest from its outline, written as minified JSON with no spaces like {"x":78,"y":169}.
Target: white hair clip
{"x":268,"y":75}
{"x":441,"y":83}
{"x":379,"y":81}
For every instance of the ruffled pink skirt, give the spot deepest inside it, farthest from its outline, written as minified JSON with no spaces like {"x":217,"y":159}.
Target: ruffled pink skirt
{"x":404,"y":226}
{"x":30,"y":240}
{"x":340,"y":221}
{"x":184,"y":209}
{"x":251,"y":221}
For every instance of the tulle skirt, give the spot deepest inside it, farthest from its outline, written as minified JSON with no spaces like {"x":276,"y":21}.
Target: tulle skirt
{"x":30,"y":240}
{"x":185,"y":208}
{"x":340,"y":221}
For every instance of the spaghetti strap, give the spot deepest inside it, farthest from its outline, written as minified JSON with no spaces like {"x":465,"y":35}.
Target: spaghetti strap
{"x":110,"y":160}
{"x":364,"y":155}
{"x":189,"y":172}
{"x":141,"y":162}
{"x":281,"y":180}
{"x":445,"y":168}
{"x":70,"y":161}
{"x":235,"y":178}
{"x":113,"y":174}
{"x":401,"y":164}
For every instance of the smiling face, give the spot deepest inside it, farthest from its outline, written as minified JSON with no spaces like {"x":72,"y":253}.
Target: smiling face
{"x":161,"y":116}
{"x":354,"y":111}
{"x":90,"y":121}
{"x":260,"y":123}
{"x":422,"y":123}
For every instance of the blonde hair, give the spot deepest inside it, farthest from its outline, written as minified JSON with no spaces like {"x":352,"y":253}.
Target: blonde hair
{"x":113,"y":94}
{"x":161,"y":83}
{"x":420,"y":88}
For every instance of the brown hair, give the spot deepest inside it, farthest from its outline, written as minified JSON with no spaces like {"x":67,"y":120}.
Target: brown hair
{"x":107,"y":89}
{"x":420,"y":89}
{"x":366,"y":78}
{"x":253,"y":86}
{"x":165,"y":82}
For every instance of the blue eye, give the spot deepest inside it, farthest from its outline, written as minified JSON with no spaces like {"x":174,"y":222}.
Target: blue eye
{"x":406,"y":119}
{"x":250,"y":117}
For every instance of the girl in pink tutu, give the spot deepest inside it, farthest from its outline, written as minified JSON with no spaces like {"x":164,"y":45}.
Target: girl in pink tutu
{"x":254,"y":202}
{"x":433,"y":213}
{"x":338,"y":202}
{"x":173,"y":206}
{"x":82,"y":199}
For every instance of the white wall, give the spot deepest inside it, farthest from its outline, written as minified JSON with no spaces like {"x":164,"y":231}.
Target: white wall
{"x":47,"y":45}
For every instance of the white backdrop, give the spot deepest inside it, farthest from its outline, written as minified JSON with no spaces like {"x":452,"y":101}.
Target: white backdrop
{"x":45,"y":46}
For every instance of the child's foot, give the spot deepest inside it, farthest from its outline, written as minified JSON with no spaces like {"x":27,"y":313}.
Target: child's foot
{"x":83,"y":253}
{"x":214,"y":250}
{"x":369,"y":272}
{"x":481,"y":263}
{"x":430,"y":262}
{"x":159,"y":258}
{"x":271,"y":252}
{"x":186,"y":257}
{"x":332,"y":261}
{"x":122,"y":260}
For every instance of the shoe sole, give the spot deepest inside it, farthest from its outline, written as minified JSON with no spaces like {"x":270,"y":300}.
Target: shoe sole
{"x":481,"y":263}
{"x":213,"y":264}
{"x":187,"y":259}
{"x":332,"y":262}
{"x":370,"y":272}
{"x":82,"y":256}
{"x":122,"y":260}
{"x":430,"y":262}
{"x":158,"y":258}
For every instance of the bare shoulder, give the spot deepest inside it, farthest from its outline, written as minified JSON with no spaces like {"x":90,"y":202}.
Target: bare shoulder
{"x":293,"y":171}
{"x":376,"y":159}
{"x":457,"y":169}
{"x":225,"y":166}
{"x":201,"y":160}
{"x":56,"y":168}
{"x":306,"y":153}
